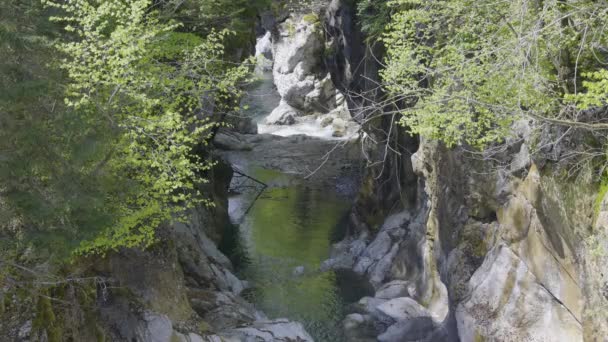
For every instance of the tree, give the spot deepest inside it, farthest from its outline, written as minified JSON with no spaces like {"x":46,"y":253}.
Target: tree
{"x":466,"y":70}
{"x":115,"y":148}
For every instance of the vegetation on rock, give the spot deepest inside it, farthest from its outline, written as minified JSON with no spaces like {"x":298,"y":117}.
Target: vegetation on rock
{"x":466,"y":70}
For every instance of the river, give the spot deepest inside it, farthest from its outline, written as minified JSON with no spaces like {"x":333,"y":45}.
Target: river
{"x":282,"y":232}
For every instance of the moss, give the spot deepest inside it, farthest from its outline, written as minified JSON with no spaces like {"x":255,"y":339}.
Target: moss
{"x":479,"y":247}
{"x":291,"y":29}
{"x":4,"y":303}
{"x":277,"y":8}
{"x":329,"y":51}
{"x":100,"y":335}
{"x":46,"y":319}
{"x":603,"y":189}
{"x":311,"y":18}
{"x":204,"y":327}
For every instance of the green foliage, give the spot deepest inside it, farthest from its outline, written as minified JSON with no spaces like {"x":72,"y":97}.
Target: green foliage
{"x":467,"y":69}
{"x":115,"y":72}
{"x":596,"y":95}
{"x":101,"y":132}
{"x":373,"y":17}
{"x":203,"y":16}
{"x":311,"y":18}
{"x":291,"y":28}
{"x":601,"y":193}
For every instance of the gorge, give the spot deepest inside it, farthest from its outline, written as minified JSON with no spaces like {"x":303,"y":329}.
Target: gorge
{"x":330,"y":221}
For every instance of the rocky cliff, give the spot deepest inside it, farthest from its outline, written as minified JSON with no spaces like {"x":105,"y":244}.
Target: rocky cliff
{"x":499,"y":245}
{"x":181,"y":289}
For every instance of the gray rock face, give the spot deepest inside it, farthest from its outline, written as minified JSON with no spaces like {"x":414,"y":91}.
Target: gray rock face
{"x":531,"y":313}
{"x":284,"y":114}
{"x":413,"y":329}
{"x":402,"y":308}
{"x":268,"y":331}
{"x":226,"y":140}
{"x":394,"y":289}
{"x":297,"y":71}
{"x":155,"y":328}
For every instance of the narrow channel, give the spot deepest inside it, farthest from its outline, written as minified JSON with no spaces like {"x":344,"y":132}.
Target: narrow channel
{"x":282,"y":233}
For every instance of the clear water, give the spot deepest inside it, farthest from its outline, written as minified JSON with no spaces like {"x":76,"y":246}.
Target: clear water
{"x":289,"y":226}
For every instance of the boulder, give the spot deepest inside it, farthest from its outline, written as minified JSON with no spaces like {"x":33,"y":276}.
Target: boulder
{"x":226,"y":140}
{"x":298,"y":59}
{"x":326,"y":121}
{"x":403,"y":308}
{"x":414,"y":329}
{"x":270,"y":331}
{"x":394,"y":289}
{"x":505,"y":289}
{"x":339,"y":128}
{"x":284,"y":114}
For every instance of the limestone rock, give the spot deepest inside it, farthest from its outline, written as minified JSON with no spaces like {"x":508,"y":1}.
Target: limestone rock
{"x":413,"y":329}
{"x":225,"y":140}
{"x":403,"y":308}
{"x":394,"y":289}
{"x":339,"y":128}
{"x":326,"y":121}
{"x":284,"y":114}
{"x":269,"y":331}
{"x":297,"y":52}
{"x":521,"y":309}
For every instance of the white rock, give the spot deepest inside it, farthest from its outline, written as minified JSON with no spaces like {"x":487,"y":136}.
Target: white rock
{"x":521,"y":309}
{"x":403,"y":308}
{"x":394,"y":289}
{"x":284,"y":114}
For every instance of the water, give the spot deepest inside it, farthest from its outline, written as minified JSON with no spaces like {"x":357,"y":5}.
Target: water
{"x":290,"y":226}
{"x":262,"y":97}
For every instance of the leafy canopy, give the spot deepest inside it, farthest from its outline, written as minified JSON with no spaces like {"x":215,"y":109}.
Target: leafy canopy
{"x":116,"y":148}
{"x":467,"y":69}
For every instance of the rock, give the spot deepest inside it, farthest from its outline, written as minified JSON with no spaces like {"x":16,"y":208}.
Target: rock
{"x":522,"y":160}
{"x":521,"y":309}
{"x":25,"y":331}
{"x":226,"y":140}
{"x":413,"y":329}
{"x":374,"y":252}
{"x":284,"y":114}
{"x":298,"y":271}
{"x":326,"y":121}
{"x":342,"y":112}
{"x":359,"y":328}
{"x":339,"y":128}
{"x":394,"y":289}
{"x":243,"y":125}
{"x":403,"y":308}
{"x":270,"y":331}
{"x":322,"y":98}
{"x":381,"y":269}
{"x":155,"y":328}
{"x":191,"y":337}
{"x":297,"y":51}
{"x":397,"y":221}
{"x":370,"y":304}
{"x":345,"y":253}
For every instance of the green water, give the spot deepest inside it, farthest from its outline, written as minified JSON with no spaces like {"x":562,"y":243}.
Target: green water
{"x":291,"y":225}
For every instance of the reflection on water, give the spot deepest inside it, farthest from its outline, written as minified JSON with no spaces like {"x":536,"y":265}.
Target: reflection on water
{"x":290,"y":226}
